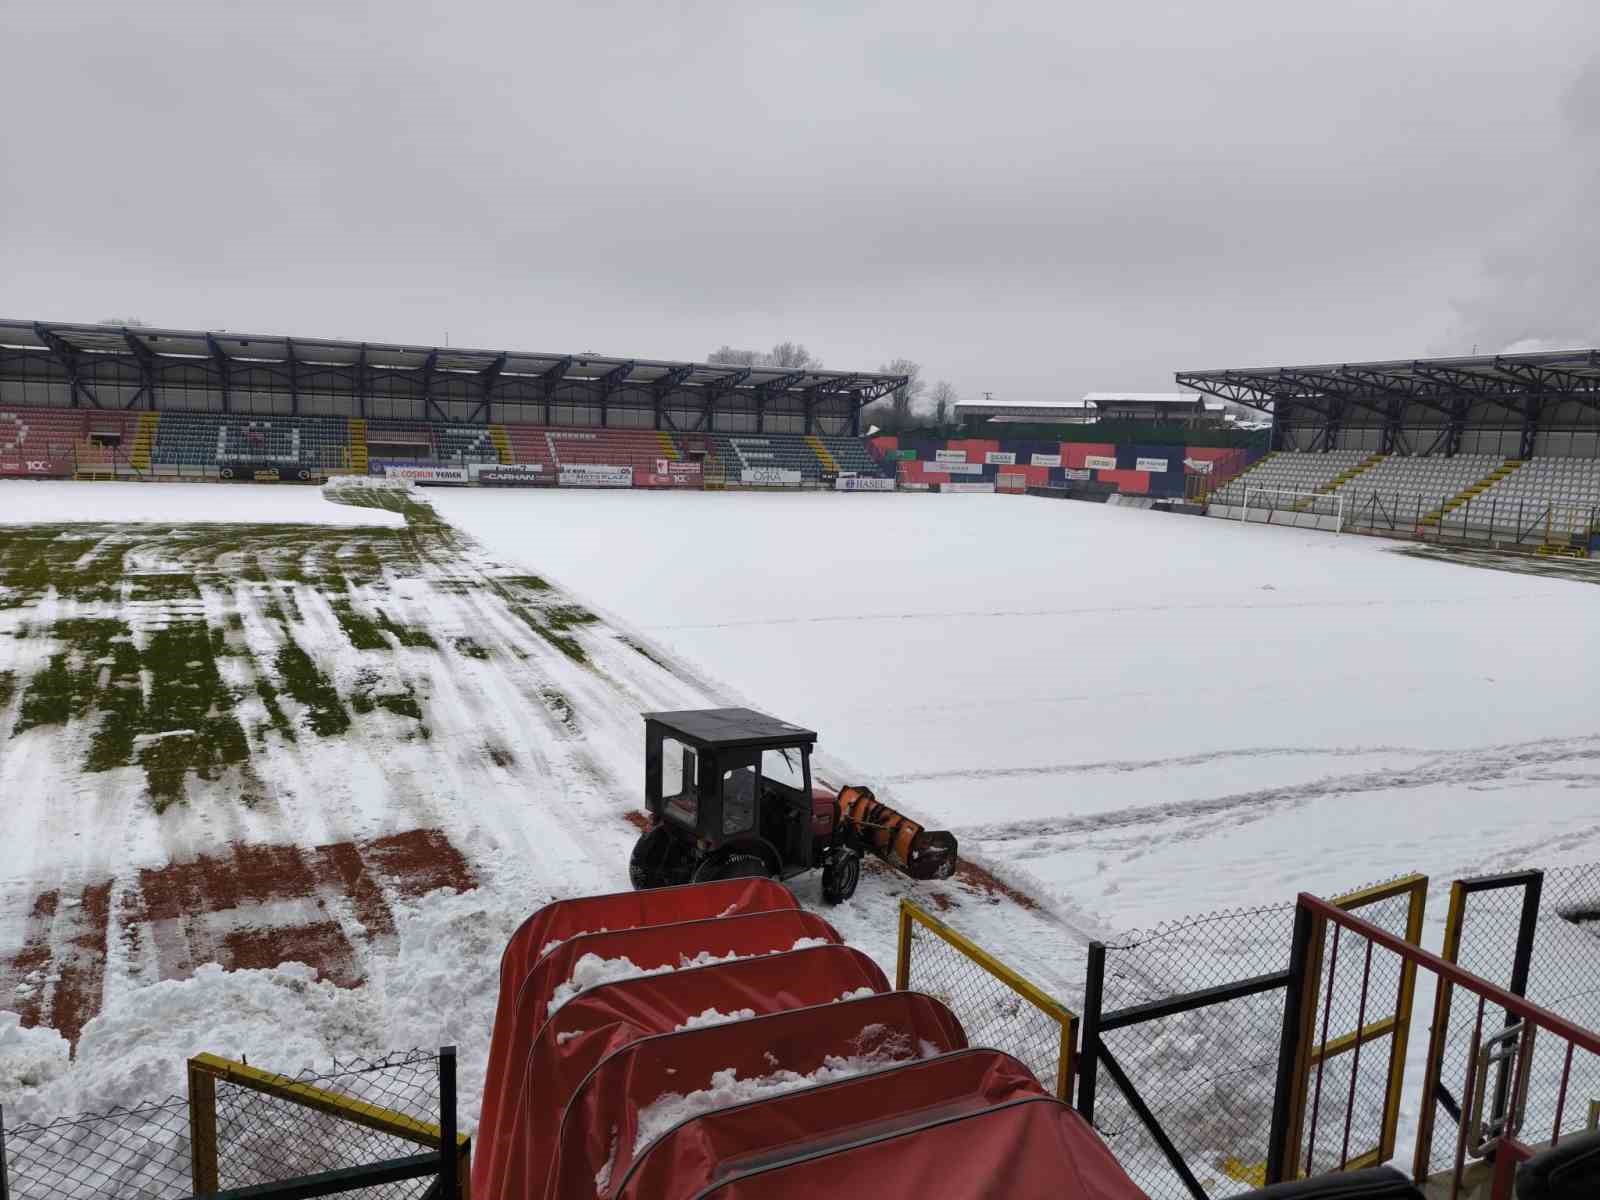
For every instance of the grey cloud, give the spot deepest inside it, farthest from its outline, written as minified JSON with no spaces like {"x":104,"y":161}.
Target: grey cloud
{"x":1033,"y":199}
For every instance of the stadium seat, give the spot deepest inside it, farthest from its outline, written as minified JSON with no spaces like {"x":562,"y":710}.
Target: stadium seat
{"x":1291,"y":472}
{"x":1376,"y":1183}
{"x":1569,"y":1171}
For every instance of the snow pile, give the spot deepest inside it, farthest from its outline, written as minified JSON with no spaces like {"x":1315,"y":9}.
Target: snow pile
{"x":858,"y":994}
{"x":555,"y":942}
{"x":29,"y":1058}
{"x":592,"y":970}
{"x":602,"y":1177}
{"x":728,"y":1089}
{"x":712,"y":1017}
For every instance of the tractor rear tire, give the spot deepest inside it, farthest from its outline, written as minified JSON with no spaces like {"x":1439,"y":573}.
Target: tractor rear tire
{"x":648,"y":865}
{"x":732,"y":866}
{"x":840,"y":874}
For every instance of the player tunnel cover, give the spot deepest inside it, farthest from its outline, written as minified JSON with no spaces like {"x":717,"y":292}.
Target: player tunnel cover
{"x":590,"y":959}
{"x":564,"y":919}
{"x":642,"y":1090}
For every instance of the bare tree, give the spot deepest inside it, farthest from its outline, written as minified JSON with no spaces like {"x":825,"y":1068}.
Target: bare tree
{"x":906,"y":395}
{"x":792,"y":356}
{"x":944,"y":402}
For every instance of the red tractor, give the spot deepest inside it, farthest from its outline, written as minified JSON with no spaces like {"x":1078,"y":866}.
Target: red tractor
{"x":729,"y":793}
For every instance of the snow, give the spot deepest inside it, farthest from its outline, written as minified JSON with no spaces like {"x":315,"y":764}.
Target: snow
{"x":713,"y":1017}
{"x":1136,"y":697}
{"x":591,"y":970}
{"x":1129,"y":716}
{"x":24,"y":502}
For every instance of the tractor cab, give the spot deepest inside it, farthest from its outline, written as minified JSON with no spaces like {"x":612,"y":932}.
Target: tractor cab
{"x":731,"y":778}
{"x":729,"y":793}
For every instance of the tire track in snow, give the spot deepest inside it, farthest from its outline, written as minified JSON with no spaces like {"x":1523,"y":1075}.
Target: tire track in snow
{"x":1463,"y":767}
{"x":1124,"y":766}
{"x":1080,"y":611}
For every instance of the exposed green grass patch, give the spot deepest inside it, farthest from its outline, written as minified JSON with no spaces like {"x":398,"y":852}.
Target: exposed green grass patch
{"x":325,"y":714}
{"x":8,"y":687}
{"x":568,"y":646}
{"x":567,"y":616}
{"x":470,"y":648}
{"x":275,"y":714}
{"x":499,"y":755}
{"x":530,"y":583}
{"x":638,"y":649}
{"x":407,"y":635}
{"x":361,"y":629}
{"x":366,"y":698}
{"x":166,"y":708}
{"x":171,"y":586}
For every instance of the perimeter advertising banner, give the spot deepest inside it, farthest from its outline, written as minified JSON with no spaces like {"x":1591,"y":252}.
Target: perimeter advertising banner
{"x":862,"y":483}
{"x":40,"y":468}
{"x":1045,"y":460}
{"x":504,"y":470}
{"x":769,"y":476}
{"x":427,"y":474}
{"x":966,"y":487}
{"x":595,"y":475}
{"x":1100,"y":462}
{"x":1000,"y":458}
{"x":1150,"y":464}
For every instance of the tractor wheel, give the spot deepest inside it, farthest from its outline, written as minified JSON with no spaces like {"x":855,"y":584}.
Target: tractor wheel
{"x":653,"y":854}
{"x":731,"y":866}
{"x":840,"y":875}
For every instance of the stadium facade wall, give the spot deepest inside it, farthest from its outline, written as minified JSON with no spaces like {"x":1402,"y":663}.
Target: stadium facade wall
{"x":1157,"y":470}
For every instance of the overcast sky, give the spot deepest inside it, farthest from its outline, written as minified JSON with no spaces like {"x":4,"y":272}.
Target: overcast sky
{"x":1030,"y":199}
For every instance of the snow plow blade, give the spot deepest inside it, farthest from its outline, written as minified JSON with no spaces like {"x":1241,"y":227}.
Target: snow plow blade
{"x":895,"y":838}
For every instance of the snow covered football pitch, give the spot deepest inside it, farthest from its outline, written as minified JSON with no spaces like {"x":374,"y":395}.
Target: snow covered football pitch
{"x":1130,"y":717}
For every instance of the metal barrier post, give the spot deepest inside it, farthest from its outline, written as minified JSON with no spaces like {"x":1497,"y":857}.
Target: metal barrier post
{"x":1089,"y":1054}
{"x":1291,"y":1048}
{"x":5,"y":1185}
{"x":449,"y":1153}
{"x":1527,"y":930}
{"x":902,"y":968}
{"x":202,"y":1130}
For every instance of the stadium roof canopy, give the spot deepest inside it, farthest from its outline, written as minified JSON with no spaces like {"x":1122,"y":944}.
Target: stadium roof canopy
{"x":1568,"y":372}
{"x":1423,"y":405}
{"x":152,"y":359}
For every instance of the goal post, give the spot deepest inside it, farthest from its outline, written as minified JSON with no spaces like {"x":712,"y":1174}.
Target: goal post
{"x":1296,"y":509}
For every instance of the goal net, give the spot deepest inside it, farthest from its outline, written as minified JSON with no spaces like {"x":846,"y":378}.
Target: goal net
{"x":1297,"y":509}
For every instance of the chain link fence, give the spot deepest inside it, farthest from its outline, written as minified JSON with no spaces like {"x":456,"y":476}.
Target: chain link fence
{"x":1206,"y":1075}
{"x":998,"y":1009}
{"x":1190,"y":1014}
{"x":352,"y":1114}
{"x":1558,"y":945}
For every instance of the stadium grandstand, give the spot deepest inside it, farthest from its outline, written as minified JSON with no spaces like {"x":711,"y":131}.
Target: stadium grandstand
{"x":105,"y":399}
{"x":1501,"y":449}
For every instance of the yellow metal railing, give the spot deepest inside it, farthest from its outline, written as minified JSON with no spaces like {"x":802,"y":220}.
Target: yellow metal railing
{"x":987,"y":997}
{"x":206,"y":1070}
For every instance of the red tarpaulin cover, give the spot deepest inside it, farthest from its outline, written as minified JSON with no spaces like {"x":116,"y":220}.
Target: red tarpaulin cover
{"x":719,"y":1144}
{"x":601,"y":1122}
{"x":1030,"y":1149}
{"x":563,"y":919}
{"x":606,"y":1018}
{"x":647,"y":947}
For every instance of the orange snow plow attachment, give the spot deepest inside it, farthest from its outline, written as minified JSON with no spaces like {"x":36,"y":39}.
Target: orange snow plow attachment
{"x":895,"y":838}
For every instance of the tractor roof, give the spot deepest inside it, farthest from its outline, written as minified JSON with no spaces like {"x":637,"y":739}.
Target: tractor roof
{"x":731,"y":727}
